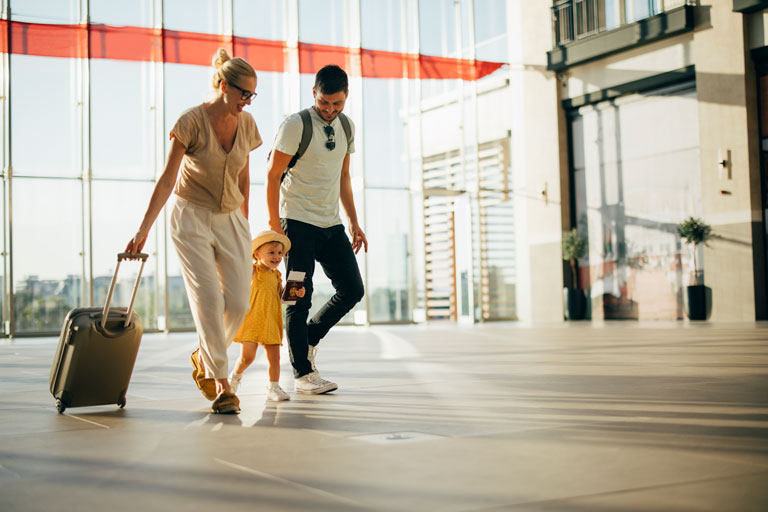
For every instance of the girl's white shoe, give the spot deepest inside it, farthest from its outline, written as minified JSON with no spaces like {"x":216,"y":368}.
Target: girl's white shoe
{"x":234,"y":381}
{"x":275,"y":393}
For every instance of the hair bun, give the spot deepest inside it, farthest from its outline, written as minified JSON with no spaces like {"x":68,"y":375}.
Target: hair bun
{"x":220,"y":57}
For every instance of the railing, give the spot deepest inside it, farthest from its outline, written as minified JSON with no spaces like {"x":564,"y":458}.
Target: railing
{"x":576,"y":19}
{"x":674,"y":4}
{"x":562,"y":21}
{"x":587,"y":19}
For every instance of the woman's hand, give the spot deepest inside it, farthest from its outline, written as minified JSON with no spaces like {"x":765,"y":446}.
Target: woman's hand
{"x":136,"y":244}
{"x":300,"y":292}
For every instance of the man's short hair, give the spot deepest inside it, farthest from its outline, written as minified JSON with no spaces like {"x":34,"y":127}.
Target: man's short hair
{"x":331,"y":79}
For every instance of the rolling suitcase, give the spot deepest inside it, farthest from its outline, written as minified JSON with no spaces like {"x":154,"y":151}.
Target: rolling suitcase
{"x":97,"y":350}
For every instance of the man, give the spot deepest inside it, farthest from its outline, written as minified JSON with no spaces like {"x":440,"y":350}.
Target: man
{"x":305,"y":207}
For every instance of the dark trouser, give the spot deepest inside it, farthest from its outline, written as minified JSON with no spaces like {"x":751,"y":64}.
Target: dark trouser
{"x":331,"y":248}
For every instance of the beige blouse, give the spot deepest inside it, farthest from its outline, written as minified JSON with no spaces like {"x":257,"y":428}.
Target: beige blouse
{"x":208,"y":174}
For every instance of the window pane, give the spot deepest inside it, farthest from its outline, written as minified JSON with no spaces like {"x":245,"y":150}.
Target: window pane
{"x":47,"y":261}
{"x":118,"y":208}
{"x":437,"y":28}
{"x":258,"y":216}
{"x":45,"y":11}
{"x":629,"y":198}
{"x":640,"y":9}
{"x":3,"y":277}
{"x":268,"y":110}
{"x":491,"y":31}
{"x":192,"y":16}
{"x":437,"y":36}
{"x":612,"y":14}
{"x":49,"y":145}
{"x":380,"y":25}
{"x":260,"y":19}
{"x":307,"y":81}
{"x":322,"y":22}
{"x":120,"y":91}
{"x":387,"y":287}
{"x":383,"y":134}
{"x":137,"y":13}
{"x":185,"y":87}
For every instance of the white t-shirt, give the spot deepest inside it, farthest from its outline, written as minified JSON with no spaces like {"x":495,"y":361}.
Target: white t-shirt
{"x":310,"y":191}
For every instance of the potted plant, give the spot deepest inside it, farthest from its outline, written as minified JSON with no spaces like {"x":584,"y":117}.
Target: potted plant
{"x":695,"y":231}
{"x":574,"y":247}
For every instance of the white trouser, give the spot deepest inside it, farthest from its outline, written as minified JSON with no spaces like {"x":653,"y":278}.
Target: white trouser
{"x":215,"y":254}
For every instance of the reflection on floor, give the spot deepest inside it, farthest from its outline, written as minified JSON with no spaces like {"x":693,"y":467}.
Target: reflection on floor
{"x":617,"y":417}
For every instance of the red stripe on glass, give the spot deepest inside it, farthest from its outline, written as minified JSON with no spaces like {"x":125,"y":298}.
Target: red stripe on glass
{"x":173,"y":46}
{"x":125,"y":43}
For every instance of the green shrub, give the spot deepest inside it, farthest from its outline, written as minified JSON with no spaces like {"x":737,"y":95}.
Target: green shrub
{"x":694,"y":231}
{"x":574,"y":247}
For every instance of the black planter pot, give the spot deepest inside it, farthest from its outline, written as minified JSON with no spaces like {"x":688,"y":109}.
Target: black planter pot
{"x":575,"y":304}
{"x":699,"y":302}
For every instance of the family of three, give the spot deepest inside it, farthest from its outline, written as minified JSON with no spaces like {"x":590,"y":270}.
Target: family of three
{"x":232,"y":281}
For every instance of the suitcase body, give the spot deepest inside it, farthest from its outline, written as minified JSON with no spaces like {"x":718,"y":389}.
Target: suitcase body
{"x":96,"y":353}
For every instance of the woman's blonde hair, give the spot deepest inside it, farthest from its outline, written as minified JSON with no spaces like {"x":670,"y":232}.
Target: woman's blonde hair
{"x":229,"y":69}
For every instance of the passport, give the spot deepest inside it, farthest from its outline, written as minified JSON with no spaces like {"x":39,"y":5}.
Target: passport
{"x":293,"y":282}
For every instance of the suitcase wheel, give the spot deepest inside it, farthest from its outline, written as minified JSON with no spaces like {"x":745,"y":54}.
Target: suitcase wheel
{"x":60,"y":406}
{"x":121,"y":403}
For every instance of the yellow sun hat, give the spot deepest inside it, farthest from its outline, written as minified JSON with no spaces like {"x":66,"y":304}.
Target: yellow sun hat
{"x":270,"y":236}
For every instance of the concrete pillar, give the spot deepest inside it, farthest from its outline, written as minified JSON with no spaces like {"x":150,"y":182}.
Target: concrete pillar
{"x":733,"y":262}
{"x":536,"y":164}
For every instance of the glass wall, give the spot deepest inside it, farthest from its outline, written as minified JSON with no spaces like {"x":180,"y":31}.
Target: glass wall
{"x":47,"y":164}
{"x":630,"y":197}
{"x":137,"y":13}
{"x":45,"y":11}
{"x":47,"y":251}
{"x":184,"y":87}
{"x":438,"y":38}
{"x":89,"y":136}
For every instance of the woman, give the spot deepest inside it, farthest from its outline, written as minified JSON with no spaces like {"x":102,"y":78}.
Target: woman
{"x":209,"y":226}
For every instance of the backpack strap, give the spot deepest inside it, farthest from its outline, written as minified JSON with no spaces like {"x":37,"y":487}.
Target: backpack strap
{"x":306,"y":136}
{"x":347,"y":129}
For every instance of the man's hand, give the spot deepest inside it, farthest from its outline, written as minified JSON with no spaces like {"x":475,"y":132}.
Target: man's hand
{"x":276,"y":227}
{"x":358,"y":239}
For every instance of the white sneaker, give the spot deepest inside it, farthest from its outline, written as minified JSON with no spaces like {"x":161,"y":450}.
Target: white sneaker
{"x":311,"y":354}
{"x":313,"y":384}
{"x":234,"y":381}
{"x":275,"y":393}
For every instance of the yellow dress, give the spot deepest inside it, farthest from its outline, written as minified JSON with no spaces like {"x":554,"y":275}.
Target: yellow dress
{"x":264,"y":321}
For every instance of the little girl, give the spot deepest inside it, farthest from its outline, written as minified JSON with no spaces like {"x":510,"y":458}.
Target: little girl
{"x":264,"y":322}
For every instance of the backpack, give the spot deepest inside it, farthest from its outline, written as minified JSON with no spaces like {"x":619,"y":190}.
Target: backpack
{"x":306,"y":135}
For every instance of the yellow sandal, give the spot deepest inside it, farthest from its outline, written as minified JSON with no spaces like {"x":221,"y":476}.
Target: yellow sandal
{"x":206,"y":386}
{"x":226,"y":403}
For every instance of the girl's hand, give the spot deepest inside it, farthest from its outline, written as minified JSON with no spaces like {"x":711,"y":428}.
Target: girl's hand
{"x":300,"y":292}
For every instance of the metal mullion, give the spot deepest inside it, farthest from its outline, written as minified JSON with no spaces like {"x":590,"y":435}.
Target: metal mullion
{"x":85,"y":161}
{"x":474,"y":197}
{"x":123,"y":180}
{"x":353,"y":39}
{"x":8,"y":316}
{"x":158,"y":103}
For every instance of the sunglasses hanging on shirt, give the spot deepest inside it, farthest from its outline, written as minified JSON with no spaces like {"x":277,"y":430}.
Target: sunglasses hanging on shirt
{"x":330,"y":143}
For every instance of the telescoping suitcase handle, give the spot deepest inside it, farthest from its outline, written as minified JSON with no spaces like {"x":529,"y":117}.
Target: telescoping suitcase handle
{"x":120,"y":257}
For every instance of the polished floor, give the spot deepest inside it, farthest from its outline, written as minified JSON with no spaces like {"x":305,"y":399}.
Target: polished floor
{"x":572,"y":417}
